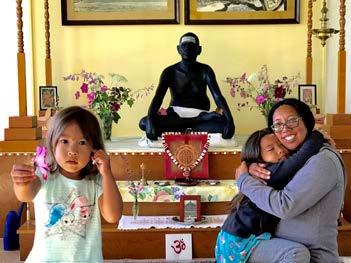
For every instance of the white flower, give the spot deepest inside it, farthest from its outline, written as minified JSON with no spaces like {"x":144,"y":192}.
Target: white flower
{"x":252,"y":77}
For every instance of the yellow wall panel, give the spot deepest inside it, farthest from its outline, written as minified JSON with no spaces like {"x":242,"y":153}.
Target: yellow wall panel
{"x":141,"y":52}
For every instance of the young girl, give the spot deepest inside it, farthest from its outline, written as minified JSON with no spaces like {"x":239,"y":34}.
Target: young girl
{"x":246,"y":225}
{"x":79,"y":186}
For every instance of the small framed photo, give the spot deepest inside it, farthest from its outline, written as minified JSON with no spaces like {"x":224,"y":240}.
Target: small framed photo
{"x":47,"y":97}
{"x":190,"y":208}
{"x":308,"y":94}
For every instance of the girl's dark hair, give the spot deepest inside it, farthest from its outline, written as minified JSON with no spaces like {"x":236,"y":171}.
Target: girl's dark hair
{"x":250,"y":153}
{"x":301,"y":108}
{"x":88,"y":124}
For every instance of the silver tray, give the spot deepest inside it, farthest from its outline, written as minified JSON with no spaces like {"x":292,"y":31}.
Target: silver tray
{"x":189,"y":223}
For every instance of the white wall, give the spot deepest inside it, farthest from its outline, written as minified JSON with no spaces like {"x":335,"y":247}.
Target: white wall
{"x":8,"y":61}
{"x":332,"y":48}
{"x":348,"y":58}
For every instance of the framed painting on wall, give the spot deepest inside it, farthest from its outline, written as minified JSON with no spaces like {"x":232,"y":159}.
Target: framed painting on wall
{"x":307,"y":94}
{"x":47,"y":97}
{"x":202,"y":12}
{"x":119,"y":12}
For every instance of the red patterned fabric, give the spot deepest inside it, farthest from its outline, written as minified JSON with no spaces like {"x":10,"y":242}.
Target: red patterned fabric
{"x":176,"y":148}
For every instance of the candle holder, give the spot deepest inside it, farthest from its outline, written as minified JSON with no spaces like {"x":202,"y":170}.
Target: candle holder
{"x":324,"y":32}
{"x":143,"y":180}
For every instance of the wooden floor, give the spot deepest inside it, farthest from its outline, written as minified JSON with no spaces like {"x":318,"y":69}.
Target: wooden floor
{"x":14,"y":257}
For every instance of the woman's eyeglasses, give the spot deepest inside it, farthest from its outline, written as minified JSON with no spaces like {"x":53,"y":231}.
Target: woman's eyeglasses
{"x":292,"y":122}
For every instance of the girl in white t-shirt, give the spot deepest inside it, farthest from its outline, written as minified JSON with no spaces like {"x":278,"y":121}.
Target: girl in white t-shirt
{"x":71,"y":185}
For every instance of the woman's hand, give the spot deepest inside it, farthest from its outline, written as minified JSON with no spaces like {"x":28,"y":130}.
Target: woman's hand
{"x":102,"y":161}
{"x":258,"y":170}
{"x":242,"y":168}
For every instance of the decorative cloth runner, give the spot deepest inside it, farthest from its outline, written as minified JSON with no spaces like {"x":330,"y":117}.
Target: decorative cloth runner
{"x":159,"y":222}
{"x":222,"y":192}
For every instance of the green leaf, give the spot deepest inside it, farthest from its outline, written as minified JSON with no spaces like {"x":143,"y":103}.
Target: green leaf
{"x":116,"y":117}
{"x":130,"y":102}
{"x":116,"y":78}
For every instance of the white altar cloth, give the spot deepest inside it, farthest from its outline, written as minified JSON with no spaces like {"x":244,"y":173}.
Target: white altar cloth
{"x":160,"y":222}
{"x":130,"y":144}
{"x":216,"y":141}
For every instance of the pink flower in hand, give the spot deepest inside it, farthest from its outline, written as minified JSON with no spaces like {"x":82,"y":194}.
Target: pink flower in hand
{"x":40,"y":162}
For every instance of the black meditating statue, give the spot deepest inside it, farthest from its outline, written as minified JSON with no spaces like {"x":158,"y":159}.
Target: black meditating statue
{"x":189,"y":106}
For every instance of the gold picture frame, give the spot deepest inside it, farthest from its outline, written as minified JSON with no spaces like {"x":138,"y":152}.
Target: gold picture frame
{"x":118,"y":12}
{"x":205,"y":12}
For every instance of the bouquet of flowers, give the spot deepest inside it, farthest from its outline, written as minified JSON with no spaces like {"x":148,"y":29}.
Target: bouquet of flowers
{"x":106,"y":100}
{"x":258,"y":89}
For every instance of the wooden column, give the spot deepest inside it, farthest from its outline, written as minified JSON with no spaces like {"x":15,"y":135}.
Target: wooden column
{"x":23,"y":134}
{"x":48,"y":71}
{"x":309,"y":44}
{"x":341,"y":94}
{"x":21,"y":63}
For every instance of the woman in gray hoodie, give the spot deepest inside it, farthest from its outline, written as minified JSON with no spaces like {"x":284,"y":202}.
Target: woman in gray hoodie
{"x":309,"y":205}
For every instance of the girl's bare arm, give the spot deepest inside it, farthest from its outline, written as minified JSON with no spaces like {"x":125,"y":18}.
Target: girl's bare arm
{"x":110,"y":202}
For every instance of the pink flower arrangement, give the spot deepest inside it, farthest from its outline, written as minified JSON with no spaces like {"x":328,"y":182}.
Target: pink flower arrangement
{"x":105,"y":100}
{"x":257,"y":88}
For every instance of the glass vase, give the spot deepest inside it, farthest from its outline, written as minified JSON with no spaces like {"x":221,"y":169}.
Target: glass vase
{"x":135,"y":208}
{"x":107,"y":128}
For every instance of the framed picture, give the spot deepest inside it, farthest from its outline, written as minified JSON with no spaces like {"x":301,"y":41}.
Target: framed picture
{"x":190,"y":208}
{"x":203,"y":12}
{"x":116,"y":12}
{"x":47,"y":97}
{"x":308,"y":94}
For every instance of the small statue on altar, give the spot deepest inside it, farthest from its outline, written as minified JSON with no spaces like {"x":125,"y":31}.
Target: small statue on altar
{"x":189,"y":107}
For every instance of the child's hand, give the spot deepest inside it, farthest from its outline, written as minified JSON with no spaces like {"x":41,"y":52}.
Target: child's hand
{"x":22,"y":174}
{"x":102,"y":161}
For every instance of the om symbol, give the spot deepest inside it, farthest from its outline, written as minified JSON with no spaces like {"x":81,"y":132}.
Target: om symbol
{"x":179,"y":246}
